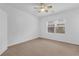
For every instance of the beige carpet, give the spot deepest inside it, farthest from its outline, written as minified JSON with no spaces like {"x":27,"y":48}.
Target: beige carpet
{"x":42,"y":47}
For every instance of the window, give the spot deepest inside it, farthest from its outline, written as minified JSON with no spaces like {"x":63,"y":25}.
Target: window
{"x":60,"y":28}
{"x":51,"y":28}
{"x":56,"y":27}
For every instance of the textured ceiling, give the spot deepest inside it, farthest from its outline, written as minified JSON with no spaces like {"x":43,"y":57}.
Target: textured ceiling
{"x":57,"y":7}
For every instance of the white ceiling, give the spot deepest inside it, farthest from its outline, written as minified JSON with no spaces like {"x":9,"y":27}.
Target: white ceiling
{"x":58,"y":7}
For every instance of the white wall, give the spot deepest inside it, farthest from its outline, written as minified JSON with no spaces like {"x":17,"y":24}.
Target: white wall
{"x":3,"y":31}
{"x":71,"y":27}
{"x":21,"y":25}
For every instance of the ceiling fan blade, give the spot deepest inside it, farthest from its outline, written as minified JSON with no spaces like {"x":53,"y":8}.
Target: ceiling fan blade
{"x":37,"y":7}
{"x":42,"y":4}
{"x":49,"y":6}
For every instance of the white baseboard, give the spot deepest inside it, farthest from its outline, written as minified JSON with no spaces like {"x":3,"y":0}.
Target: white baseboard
{"x":3,"y":50}
{"x":33,"y":37}
{"x":65,"y":41}
{"x":26,"y":39}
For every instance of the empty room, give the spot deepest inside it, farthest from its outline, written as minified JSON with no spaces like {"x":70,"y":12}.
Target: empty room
{"x":39,"y":29}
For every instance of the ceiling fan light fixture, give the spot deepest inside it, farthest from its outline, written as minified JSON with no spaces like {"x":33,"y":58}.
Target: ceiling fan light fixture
{"x":42,"y":10}
{"x":43,"y":7}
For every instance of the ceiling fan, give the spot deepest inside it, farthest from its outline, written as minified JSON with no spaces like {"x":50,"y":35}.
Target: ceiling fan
{"x":43,"y":7}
